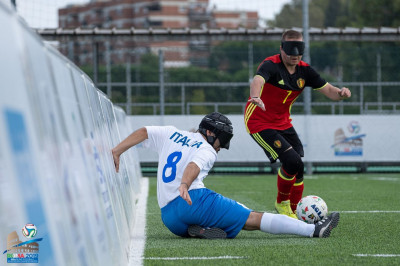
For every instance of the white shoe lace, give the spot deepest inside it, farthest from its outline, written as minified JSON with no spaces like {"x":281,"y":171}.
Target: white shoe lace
{"x":322,"y":221}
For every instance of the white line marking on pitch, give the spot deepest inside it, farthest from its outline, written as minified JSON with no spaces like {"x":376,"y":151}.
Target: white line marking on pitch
{"x":138,"y":239}
{"x":376,"y":255}
{"x":376,"y":178}
{"x":196,"y":258}
{"x":384,"y":178}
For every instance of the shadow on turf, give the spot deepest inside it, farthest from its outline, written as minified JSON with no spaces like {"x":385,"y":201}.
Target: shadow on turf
{"x":241,"y":236}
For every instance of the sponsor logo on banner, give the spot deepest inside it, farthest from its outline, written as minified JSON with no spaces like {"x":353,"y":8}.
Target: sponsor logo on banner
{"x":351,"y":144}
{"x":23,"y":251}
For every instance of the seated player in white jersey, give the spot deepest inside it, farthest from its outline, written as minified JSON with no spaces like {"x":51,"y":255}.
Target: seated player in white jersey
{"x":188,"y":208}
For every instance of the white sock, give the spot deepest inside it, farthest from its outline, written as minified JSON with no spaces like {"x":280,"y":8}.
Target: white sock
{"x":282,"y":224}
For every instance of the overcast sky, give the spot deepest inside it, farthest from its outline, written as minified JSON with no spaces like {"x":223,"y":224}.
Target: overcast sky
{"x":43,"y":13}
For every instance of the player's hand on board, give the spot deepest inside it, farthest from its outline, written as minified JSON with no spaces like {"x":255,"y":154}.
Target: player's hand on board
{"x":116,"y":160}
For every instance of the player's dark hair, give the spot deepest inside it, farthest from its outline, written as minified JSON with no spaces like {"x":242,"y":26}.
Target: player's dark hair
{"x":291,"y":34}
{"x":220,"y":125}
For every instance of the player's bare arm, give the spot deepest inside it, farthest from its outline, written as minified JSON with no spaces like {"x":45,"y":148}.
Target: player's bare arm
{"x":334,"y":93}
{"x":255,"y":91}
{"x":189,"y":175}
{"x":132,"y":140}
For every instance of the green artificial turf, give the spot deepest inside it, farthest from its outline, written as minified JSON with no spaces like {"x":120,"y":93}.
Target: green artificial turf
{"x":360,"y":230}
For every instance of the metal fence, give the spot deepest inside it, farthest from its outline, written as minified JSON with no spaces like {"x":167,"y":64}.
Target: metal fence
{"x":355,"y":105}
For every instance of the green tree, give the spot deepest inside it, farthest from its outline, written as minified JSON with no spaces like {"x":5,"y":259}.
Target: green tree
{"x":291,"y":14}
{"x":374,"y":13}
{"x":332,"y":12}
{"x":340,"y":13}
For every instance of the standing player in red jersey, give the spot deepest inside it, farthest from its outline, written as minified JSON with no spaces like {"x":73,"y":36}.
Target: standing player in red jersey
{"x":279,"y":80}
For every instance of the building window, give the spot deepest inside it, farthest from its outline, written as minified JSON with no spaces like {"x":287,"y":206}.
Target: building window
{"x":154,"y":7}
{"x":73,"y":17}
{"x":182,"y":9}
{"x":99,"y":11}
{"x":155,"y":23}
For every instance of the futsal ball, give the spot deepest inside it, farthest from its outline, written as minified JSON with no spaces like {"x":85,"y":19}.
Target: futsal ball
{"x":29,"y":230}
{"x":311,"y":209}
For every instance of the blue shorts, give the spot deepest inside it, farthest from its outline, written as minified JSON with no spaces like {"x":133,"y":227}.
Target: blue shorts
{"x":208,"y":209}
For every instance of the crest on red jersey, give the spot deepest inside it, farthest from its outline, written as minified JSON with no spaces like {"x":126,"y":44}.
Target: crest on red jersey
{"x":300,"y":83}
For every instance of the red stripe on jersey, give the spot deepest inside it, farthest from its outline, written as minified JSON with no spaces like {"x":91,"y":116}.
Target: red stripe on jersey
{"x":277,"y":59}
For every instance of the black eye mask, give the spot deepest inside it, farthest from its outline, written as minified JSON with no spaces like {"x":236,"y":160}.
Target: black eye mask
{"x":293,"y":47}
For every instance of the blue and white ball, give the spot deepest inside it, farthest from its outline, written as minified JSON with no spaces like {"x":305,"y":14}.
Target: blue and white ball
{"x":29,"y":230}
{"x":311,"y":209}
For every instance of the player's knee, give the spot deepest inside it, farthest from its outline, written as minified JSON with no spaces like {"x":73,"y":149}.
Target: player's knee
{"x":253,"y":221}
{"x":291,"y":161}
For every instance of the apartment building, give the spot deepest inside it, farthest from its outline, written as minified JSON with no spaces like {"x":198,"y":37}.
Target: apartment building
{"x":143,"y":14}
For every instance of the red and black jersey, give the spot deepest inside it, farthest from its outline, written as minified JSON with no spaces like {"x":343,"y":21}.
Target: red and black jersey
{"x":280,"y":91}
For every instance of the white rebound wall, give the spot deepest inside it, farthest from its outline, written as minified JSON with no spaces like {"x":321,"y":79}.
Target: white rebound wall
{"x":56,"y":168}
{"x":326,"y":138}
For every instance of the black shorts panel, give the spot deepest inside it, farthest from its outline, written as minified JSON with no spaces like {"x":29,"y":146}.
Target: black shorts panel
{"x":275,"y":142}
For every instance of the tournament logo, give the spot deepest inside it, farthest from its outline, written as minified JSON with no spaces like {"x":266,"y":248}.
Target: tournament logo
{"x":300,"y":83}
{"x":277,"y":143}
{"x":23,"y":251}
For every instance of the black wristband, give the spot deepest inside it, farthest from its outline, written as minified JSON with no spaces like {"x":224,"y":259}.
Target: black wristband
{"x":255,"y":97}
{"x":183,"y":183}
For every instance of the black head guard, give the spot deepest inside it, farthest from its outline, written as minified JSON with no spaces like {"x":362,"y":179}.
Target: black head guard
{"x":220,"y":125}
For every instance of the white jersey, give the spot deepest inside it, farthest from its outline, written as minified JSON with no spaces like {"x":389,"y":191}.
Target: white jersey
{"x":176,"y":149}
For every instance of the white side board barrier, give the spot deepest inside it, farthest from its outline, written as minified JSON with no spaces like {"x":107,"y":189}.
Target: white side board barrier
{"x":56,"y":168}
{"x":331,"y":138}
